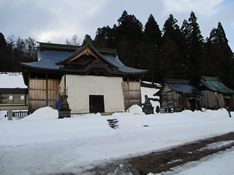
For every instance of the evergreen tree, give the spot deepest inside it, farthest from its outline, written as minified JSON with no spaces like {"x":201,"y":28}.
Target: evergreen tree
{"x":220,"y":54}
{"x":152,"y":41}
{"x":194,"y":41}
{"x":174,"y":52}
{"x":129,"y":29}
{"x":106,"y":37}
{"x":87,"y":39}
{"x":171,"y":28}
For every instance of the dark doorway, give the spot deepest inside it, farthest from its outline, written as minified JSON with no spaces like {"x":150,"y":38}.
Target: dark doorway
{"x":96,"y":103}
{"x":192,"y":104}
{"x":227,"y":101}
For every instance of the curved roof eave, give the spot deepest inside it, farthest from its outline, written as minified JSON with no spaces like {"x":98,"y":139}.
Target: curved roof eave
{"x":39,"y":68}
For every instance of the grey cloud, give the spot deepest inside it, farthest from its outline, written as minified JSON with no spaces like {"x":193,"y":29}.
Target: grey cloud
{"x":59,"y":20}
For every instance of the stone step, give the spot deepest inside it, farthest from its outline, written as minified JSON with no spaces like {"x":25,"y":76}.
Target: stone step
{"x":113,"y":123}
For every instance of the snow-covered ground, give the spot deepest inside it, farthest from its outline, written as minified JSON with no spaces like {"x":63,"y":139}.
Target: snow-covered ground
{"x":43,"y":144}
{"x":220,"y":163}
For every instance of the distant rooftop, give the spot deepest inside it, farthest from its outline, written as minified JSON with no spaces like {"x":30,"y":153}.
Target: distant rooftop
{"x":215,"y":84}
{"x":11,"y":80}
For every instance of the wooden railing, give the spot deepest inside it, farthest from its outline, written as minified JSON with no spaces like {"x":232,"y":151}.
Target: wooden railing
{"x":20,"y":114}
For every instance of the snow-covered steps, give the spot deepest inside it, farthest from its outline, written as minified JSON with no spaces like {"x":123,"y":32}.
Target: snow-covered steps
{"x":113,"y":123}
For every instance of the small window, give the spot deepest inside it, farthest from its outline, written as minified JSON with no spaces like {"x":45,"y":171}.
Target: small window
{"x":12,"y":99}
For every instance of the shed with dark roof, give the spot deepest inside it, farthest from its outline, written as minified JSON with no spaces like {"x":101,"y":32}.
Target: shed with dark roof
{"x":90,"y":76}
{"x":215,"y":93}
{"x":176,"y":95}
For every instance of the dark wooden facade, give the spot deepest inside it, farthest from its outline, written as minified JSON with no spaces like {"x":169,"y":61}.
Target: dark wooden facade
{"x":177,"y":95}
{"x":215,"y":94}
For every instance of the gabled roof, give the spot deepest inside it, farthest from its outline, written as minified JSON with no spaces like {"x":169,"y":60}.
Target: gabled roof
{"x":215,"y":84}
{"x":86,"y":49}
{"x":53,"y":57}
{"x":181,"y":86}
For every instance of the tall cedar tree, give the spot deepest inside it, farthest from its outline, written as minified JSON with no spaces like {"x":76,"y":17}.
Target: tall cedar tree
{"x":106,"y":37}
{"x":152,"y":41}
{"x":173,"y":57}
{"x":194,"y":41}
{"x":129,"y":31}
{"x":220,"y":55}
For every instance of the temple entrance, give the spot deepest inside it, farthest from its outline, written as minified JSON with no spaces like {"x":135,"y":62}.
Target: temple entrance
{"x":96,"y":103}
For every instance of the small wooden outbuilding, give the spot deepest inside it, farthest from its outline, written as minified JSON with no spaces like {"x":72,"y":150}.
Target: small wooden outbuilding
{"x":176,"y":95}
{"x":215,"y":93}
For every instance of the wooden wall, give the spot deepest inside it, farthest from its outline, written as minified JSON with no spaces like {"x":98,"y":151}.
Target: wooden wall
{"x":132,"y":93}
{"x":42,"y":92}
{"x":212,"y":100}
{"x":170,"y":99}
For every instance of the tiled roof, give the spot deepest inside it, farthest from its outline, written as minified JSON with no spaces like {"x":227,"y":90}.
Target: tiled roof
{"x":50,"y":55}
{"x":215,"y":84}
{"x":181,"y":86}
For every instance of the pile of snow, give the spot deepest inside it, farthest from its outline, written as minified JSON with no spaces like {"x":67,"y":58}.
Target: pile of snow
{"x":43,"y":113}
{"x":135,"y":109}
{"x":213,"y":113}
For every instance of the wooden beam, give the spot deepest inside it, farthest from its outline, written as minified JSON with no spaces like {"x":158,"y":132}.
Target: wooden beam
{"x":46,"y":89}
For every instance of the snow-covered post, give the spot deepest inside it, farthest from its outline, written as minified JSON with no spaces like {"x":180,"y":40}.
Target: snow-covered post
{"x":9,"y":114}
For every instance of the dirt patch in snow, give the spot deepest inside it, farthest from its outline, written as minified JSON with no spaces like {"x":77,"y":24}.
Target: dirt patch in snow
{"x":157,"y":162}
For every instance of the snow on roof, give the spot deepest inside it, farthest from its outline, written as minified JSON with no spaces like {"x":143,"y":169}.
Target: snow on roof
{"x":12,"y":80}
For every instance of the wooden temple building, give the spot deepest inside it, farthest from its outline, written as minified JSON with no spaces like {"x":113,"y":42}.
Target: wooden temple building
{"x":177,"y":95}
{"x":215,"y":93}
{"x":94,"y":79}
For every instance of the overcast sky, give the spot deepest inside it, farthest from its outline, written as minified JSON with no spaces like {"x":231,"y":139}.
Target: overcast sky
{"x":58,"y":20}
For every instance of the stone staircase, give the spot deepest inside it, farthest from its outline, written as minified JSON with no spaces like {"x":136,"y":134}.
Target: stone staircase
{"x":113,"y":123}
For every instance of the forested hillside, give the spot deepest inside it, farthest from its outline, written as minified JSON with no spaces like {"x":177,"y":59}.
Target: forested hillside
{"x":174,"y":51}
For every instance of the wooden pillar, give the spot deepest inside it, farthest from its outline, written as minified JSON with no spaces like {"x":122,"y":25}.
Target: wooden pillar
{"x":128,"y":95}
{"x":29,"y":93}
{"x":64,"y":92}
{"x":140,"y":89}
{"x":46,"y":90}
